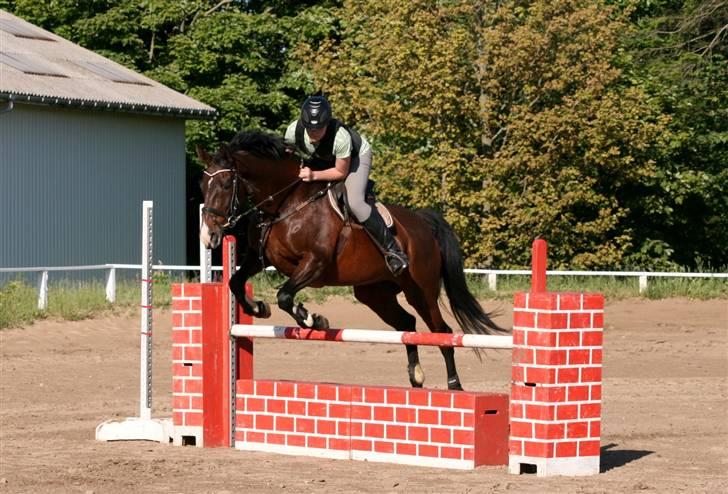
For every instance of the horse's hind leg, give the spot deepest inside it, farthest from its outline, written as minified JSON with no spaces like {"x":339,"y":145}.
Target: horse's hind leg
{"x":429,"y":311}
{"x":382,"y":299}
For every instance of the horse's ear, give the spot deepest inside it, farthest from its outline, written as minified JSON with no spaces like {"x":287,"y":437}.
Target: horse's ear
{"x":203,"y":155}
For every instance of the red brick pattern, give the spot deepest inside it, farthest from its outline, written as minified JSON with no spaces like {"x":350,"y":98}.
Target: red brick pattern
{"x":557,"y":375}
{"x":365,"y":421}
{"x":186,"y":355}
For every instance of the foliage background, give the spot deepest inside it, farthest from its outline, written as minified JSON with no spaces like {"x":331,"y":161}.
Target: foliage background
{"x":601,"y":126}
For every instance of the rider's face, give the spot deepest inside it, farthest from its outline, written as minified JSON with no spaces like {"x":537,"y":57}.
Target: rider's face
{"x":316,"y":134}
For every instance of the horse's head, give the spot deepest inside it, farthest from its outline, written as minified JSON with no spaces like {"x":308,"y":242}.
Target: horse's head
{"x":255,"y":166}
{"x":221,"y":191}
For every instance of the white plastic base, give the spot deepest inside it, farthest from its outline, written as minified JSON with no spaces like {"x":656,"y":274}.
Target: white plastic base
{"x":547,"y":467}
{"x":136,"y":429}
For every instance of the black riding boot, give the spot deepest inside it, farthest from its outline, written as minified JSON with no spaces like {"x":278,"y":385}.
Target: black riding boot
{"x":396,"y":259}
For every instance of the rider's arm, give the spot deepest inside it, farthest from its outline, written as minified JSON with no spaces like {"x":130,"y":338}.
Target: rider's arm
{"x":338,"y":172}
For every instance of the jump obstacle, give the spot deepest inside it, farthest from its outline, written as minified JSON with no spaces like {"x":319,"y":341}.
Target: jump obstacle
{"x":549,"y":426}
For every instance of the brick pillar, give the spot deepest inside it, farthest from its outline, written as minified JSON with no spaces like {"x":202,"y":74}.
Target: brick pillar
{"x":202,"y":363}
{"x":556,"y":383}
{"x":187,"y":363}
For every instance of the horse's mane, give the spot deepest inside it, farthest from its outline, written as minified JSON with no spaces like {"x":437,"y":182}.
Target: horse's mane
{"x":259,"y":144}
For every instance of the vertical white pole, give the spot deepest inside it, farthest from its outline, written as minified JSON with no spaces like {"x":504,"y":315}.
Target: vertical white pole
{"x":43,"y":291}
{"x":493,"y":281}
{"x":205,"y":258}
{"x":111,"y":285}
{"x":643,"y":284}
{"x":145,"y":395}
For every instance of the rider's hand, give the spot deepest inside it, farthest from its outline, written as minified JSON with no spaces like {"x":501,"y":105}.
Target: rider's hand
{"x":305,"y":174}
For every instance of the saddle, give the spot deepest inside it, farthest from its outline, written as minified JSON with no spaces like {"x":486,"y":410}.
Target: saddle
{"x":340,"y":204}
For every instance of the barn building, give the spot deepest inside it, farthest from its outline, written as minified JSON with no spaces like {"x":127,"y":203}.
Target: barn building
{"x":83,"y":141}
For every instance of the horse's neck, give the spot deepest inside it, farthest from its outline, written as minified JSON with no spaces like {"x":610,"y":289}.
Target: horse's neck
{"x":279,"y":181}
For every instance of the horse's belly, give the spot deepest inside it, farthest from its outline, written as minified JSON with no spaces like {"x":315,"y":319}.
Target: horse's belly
{"x":358,"y":263}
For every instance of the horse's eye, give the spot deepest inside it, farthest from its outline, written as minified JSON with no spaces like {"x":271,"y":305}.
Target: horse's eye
{"x":227,"y":185}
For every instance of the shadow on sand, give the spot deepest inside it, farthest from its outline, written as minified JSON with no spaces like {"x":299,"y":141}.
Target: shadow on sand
{"x":614,"y":458}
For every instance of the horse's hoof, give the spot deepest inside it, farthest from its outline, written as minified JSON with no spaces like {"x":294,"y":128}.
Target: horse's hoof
{"x":320,"y":322}
{"x":262,"y":310}
{"x":416,"y":375}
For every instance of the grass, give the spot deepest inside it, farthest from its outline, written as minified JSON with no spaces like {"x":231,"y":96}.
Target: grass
{"x":613,"y":288}
{"x":80,"y":300}
{"x":74,"y":300}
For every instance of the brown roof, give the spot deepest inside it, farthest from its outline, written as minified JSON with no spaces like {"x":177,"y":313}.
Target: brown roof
{"x":39,"y":66}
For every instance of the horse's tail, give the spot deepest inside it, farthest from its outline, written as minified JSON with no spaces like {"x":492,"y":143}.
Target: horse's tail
{"x":467,"y":311}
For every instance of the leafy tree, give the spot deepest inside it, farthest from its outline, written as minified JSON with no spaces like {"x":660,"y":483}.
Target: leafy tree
{"x":601,"y":126}
{"x":512,"y":118}
{"x":681,"y":58}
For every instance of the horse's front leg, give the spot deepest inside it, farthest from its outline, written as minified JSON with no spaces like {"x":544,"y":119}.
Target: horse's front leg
{"x":251,"y":306}
{"x":308,"y":270}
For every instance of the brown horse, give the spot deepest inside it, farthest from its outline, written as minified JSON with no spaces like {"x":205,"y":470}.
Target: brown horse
{"x":301,"y":236}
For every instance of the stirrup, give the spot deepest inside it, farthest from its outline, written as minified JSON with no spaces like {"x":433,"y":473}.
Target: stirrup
{"x":396,"y":263}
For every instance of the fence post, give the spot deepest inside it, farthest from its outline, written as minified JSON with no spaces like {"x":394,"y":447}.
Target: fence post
{"x":43,"y":291}
{"x":643,"y":284}
{"x":111,"y":285}
{"x":493,"y":281}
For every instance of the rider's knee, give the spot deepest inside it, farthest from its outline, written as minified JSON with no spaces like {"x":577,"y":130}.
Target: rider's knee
{"x":360,"y":208}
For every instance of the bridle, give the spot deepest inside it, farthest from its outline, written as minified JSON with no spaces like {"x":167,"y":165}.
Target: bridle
{"x":231,"y":217}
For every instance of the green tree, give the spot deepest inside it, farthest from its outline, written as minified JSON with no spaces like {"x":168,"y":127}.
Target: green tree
{"x":514,"y":119}
{"x":681,"y":59}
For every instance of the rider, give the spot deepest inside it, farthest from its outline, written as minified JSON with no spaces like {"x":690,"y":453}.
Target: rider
{"x":335,"y":152}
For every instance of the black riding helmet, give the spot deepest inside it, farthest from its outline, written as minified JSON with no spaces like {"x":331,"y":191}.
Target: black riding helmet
{"x":315,"y":112}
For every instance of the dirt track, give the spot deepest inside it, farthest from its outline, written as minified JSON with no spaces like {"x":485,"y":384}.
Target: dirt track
{"x":665,"y":409}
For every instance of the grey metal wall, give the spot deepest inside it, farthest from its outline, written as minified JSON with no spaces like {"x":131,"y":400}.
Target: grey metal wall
{"x":72,"y":184}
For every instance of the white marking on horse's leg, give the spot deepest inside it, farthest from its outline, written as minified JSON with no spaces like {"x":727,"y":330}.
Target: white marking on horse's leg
{"x":309,"y":320}
{"x":419,"y":374}
{"x":205,"y":235}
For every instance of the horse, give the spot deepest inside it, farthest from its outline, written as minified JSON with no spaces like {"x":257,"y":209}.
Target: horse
{"x":291,"y":228}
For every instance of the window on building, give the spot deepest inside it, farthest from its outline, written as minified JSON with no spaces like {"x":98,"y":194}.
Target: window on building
{"x":111,"y":72}
{"x":25,"y":63}
{"x":23,"y":30}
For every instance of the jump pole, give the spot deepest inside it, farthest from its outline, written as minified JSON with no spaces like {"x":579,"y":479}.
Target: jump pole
{"x":143,"y":427}
{"x":550,"y":424}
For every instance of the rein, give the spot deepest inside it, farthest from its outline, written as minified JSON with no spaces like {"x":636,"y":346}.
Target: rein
{"x":232,"y":217}
{"x":290,"y":212}
{"x":265,"y":226}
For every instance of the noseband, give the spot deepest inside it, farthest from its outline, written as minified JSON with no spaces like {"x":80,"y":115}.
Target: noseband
{"x":232,"y":216}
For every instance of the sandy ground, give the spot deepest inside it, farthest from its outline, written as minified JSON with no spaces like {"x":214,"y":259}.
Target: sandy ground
{"x":665,"y":422}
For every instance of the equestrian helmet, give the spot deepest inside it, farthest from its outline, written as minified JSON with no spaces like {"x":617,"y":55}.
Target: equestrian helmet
{"x":315,"y":112}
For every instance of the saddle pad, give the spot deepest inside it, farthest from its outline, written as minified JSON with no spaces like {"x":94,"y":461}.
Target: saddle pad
{"x":335,"y":192}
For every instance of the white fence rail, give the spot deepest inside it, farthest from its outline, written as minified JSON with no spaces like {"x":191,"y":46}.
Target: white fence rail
{"x":491,"y":274}
{"x":204,"y":270}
